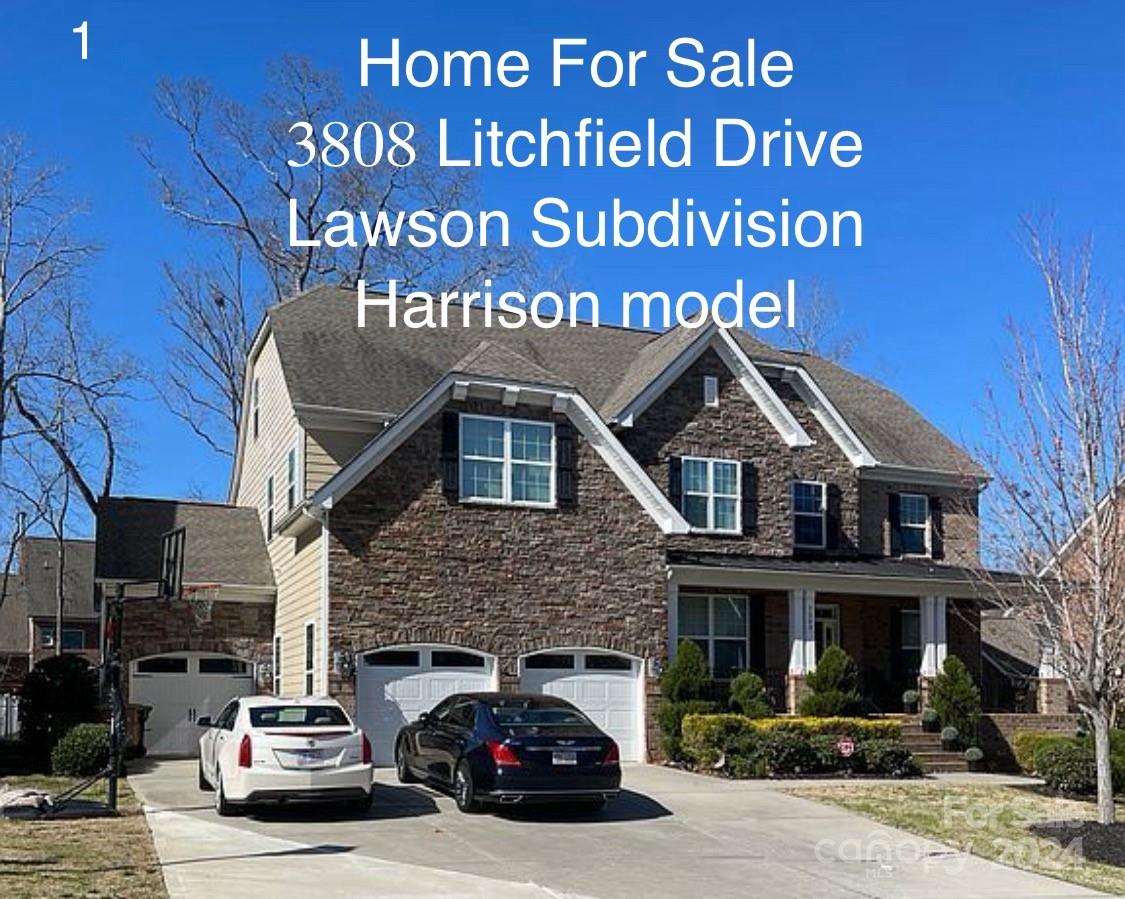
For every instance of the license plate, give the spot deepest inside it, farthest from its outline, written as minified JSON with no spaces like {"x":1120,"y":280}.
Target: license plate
{"x":564,"y":758}
{"x":308,"y":759}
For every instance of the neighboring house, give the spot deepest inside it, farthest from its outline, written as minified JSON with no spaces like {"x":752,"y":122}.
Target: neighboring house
{"x":187,"y":658}
{"x":1010,"y":655}
{"x":553,"y":510}
{"x":29,"y":615}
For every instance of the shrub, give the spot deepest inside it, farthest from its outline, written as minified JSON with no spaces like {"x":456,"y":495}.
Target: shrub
{"x":974,"y":755}
{"x":930,"y":719}
{"x":956,"y":698}
{"x":949,"y":737}
{"x":832,"y":686}
{"x":887,"y":757}
{"x":910,"y":700}
{"x":748,"y":696}
{"x":83,"y":751}
{"x":57,"y":694}
{"x":706,"y":738}
{"x":687,"y":677}
{"x":856,"y":728}
{"x":1025,"y":743}
{"x":1068,"y":766}
{"x":670,"y":717}
{"x":786,"y":754}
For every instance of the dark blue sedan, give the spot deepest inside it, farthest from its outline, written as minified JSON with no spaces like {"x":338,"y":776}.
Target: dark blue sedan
{"x":507,"y":748}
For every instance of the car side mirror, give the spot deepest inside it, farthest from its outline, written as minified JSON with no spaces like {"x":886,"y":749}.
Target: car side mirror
{"x":204,"y":721}
{"x":424,"y":718}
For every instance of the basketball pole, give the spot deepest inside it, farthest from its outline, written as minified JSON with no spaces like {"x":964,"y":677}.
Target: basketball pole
{"x":116,"y":724}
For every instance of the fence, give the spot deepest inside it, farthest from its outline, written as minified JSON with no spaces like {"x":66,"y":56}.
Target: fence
{"x":9,"y":716}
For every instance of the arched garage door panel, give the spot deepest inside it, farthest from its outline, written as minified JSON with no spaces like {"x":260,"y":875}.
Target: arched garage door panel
{"x":395,"y":685}
{"x":182,"y":687}
{"x":606,"y":686}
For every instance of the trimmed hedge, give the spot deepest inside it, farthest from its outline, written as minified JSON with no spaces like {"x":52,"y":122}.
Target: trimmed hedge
{"x":83,"y":751}
{"x":670,"y":716}
{"x":778,"y":747}
{"x":1025,"y":743}
{"x":1068,"y":764}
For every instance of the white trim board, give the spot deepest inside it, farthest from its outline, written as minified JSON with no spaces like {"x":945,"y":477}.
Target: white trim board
{"x":572,"y":404}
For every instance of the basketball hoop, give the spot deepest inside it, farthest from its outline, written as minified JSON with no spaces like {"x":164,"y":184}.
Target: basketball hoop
{"x":201,"y":599}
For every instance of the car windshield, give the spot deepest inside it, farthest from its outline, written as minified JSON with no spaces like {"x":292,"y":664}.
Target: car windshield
{"x":537,"y":716}
{"x":298,"y":716}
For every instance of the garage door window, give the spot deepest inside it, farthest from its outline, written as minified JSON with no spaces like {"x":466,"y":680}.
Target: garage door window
{"x":719,"y":626}
{"x":162,"y":665}
{"x":223,"y":666}
{"x":552,"y":660}
{"x":393,"y":658}
{"x":602,"y":662}
{"x":452,"y":658}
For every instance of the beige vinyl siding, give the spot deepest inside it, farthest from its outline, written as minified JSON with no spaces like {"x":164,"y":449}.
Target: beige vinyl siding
{"x":296,"y":561}
{"x":326,"y":452}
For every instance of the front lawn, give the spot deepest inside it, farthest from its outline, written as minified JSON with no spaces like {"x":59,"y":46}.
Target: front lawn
{"x":93,"y":857}
{"x":1018,"y":826}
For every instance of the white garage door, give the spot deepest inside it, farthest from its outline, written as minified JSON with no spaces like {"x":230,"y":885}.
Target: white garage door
{"x":395,"y":685}
{"x":606,"y":686}
{"x":182,"y":687}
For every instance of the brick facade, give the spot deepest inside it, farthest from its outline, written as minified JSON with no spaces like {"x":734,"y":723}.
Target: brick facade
{"x":408,"y":565}
{"x":241,"y":629}
{"x":960,"y":519}
{"x":996,"y":732}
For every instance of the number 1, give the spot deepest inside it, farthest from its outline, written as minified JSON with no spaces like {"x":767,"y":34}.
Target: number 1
{"x":83,"y":30}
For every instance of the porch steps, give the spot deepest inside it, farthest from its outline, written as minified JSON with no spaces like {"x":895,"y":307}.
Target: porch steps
{"x":926,"y":747}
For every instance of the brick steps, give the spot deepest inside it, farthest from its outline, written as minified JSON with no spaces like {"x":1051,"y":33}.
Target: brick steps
{"x":926,"y":747}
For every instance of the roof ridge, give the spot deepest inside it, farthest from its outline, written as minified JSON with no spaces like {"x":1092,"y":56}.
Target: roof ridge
{"x":174,"y":499}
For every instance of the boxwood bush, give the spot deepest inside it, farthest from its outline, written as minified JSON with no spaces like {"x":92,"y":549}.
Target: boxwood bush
{"x":1025,"y":743}
{"x":1068,"y":764}
{"x":743,"y":747}
{"x":83,"y":751}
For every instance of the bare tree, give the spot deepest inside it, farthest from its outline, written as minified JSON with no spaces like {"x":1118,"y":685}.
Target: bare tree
{"x":233,"y":182}
{"x":819,"y":328}
{"x":39,"y":251}
{"x":1058,"y":456}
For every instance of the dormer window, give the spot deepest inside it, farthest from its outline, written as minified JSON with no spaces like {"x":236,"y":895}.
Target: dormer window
{"x":710,"y":391}
{"x":914,"y":524}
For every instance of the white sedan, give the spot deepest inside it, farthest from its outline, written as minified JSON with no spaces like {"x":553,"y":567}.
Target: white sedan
{"x":263,"y":749}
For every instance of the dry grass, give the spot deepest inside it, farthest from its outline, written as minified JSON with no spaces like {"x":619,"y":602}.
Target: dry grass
{"x":1018,"y":826}
{"x":93,"y":857}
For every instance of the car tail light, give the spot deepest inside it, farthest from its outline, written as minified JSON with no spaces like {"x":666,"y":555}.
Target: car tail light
{"x":612,"y":755}
{"x":245,"y":752}
{"x":503,"y":755}
{"x":366,"y":748}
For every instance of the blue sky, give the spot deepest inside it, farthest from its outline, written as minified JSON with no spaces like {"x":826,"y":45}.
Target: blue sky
{"x":970,"y":114}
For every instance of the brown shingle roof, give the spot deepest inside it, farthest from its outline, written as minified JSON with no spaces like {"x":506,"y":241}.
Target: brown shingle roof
{"x":328,"y":361}
{"x":222,"y":544}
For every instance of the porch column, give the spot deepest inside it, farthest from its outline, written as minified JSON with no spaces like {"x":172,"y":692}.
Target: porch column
{"x":802,"y":645}
{"x":932,"y":624}
{"x":1052,"y":696}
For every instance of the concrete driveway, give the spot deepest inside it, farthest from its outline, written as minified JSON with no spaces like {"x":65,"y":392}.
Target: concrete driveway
{"x":672,"y":834}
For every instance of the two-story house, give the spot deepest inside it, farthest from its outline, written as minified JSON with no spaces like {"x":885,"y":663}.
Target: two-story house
{"x":472,"y":508}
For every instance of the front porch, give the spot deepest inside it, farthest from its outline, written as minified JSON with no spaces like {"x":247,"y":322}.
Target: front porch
{"x":898,"y":619}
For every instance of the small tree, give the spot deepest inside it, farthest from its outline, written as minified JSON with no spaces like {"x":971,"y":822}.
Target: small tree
{"x":956,"y":699}
{"x":57,"y":694}
{"x":685,"y":684}
{"x":832,"y":686}
{"x":748,"y":696}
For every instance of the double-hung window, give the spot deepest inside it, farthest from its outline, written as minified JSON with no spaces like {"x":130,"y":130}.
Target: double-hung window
{"x":718,"y":625}
{"x":914,"y":523}
{"x":291,"y":479}
{"x":711,"y":494}
{"x":269,"y":508}
{"x":310,"y":656}
{"x":506,"y":460}
{"x":809,"y":504}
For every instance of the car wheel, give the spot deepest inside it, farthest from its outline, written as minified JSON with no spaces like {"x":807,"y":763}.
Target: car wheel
{"x":464,"y":793}
{"x":222,"y":808}
{"x":402,"y":765}
{"x":204,"y":784}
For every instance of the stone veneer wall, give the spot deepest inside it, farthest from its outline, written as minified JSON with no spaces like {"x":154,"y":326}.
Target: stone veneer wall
{"x":406,"y":564}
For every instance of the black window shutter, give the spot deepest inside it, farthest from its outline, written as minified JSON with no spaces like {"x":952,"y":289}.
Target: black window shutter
{"x":833,"y":502}
{"x":894,"y":516}
{"x":757,"y":660}
{"x":566,"y":465}
{"x":937,"y":529}
{"x":450,"y":450}
{"x":749,"y":498}
{"x":675,"y":480}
